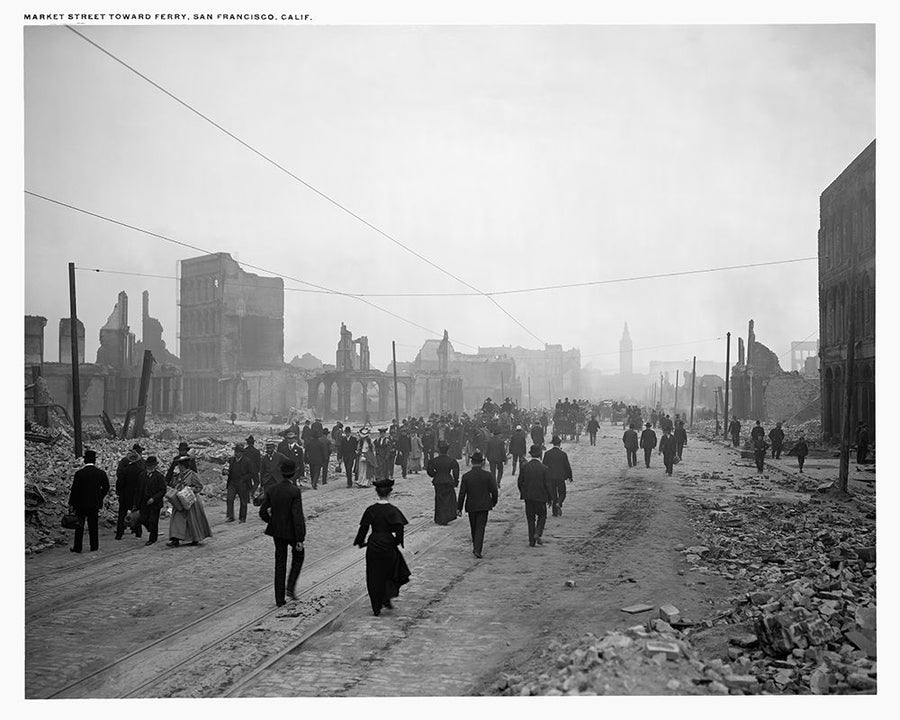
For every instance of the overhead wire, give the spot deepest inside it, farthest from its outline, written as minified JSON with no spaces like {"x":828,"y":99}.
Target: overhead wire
{"x":303,"y":182}
{"x":190,"y":246}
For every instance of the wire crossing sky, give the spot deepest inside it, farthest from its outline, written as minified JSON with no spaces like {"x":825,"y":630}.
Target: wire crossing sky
{"x":551,"y":167}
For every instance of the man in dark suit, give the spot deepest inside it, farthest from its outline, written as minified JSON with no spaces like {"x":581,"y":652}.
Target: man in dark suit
{"x":648,"y":442}
{"x":282,"y":510}
{"x":478,"y":490}
{"x":517,"y":447}
{"x":558,"y":470}
{"x":680,"y":436}
{"x":668,"y":450}
{"x":538,"y":434}
{"x":129,"y":476}
{"x":534,"y":489}
{"x":240,"y":480}
{"x":270,"y":466}
{"x":404,"y":447}
{"x":496,"y":456}
{"x":150,"y":498}
{"x":252,"y":453}
{"x":292,"y":450}
{"x":315,"y":458}
{"x":89,"y":487}
{"x":630,"y":441}
{"x":348,"y":453}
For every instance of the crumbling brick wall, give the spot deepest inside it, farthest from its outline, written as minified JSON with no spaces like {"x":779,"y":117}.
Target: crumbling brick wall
{"x":790,"y":396}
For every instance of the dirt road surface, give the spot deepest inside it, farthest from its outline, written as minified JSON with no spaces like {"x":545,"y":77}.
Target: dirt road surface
{"x":201,"y":621}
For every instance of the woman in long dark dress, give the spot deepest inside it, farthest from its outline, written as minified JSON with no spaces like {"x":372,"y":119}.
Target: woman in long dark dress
{"x":386,"y":570}
{"x":444,"y":471}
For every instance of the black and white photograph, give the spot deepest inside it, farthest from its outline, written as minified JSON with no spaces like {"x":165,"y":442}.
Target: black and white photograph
{"x":371,"y":354}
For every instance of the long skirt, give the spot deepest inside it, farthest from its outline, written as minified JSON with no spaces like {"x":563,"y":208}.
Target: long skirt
{"x":444,"y":504}
{"x":190,"y":525}
{"x":415,"y":463}
{"x":386,"y":571}
{"x":366,"y":473}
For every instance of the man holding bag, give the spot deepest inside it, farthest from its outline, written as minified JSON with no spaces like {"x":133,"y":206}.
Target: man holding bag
{"x":282,"y":511}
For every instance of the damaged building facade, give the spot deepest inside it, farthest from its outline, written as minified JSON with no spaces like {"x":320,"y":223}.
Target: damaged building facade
{"x":111,"y":383}
{"x":551,"y":373}
{"x":762,"y":390}
{"x":232,"y":339}
{"x":847,"y":285}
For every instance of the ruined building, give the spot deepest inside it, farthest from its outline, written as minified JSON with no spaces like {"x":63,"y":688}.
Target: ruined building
{"x":551,"y":373}
{"x":761,"y":390}
{"x":847,"y":284}
{"x":232,"y":337}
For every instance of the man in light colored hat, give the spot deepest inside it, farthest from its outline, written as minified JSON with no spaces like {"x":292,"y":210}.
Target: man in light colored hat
{"x":240,"y":480}
{"x":478,"y":493}
{"x":518,"y":446}
{"x":270,"y":466}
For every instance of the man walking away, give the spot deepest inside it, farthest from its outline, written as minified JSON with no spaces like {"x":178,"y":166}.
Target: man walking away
{"x":759,"y":454}
{"x":404,"y":448}
{"x":282,"y":510}
{"x":89,"y":486}
{"x":150,"y":498}
{"x":592,"y":427}
{"x":128,"y":482}
{"x":496,"y":456}
{"x":312,"y":449}
{"x":517,"y":447}
{"x":776,"y":435}
{"x":478,"y":493}
{"x":680,"y":438}
{"x":348,"y":453}
{"x":325,"y":445}
{"x":734,"y":429}
{"x":254,"y":457}
{"x":801,"y":450}
{"x":648,"y":442}
{"x":240,"y":479}
{"x":668,"y":450}
{"x":630,"y":441}
{"x":558,"y":471}
{"x":538,"y":434}
{"x":862,"y":444}
{"x":757,"y":433}
{"x":534,"y":489}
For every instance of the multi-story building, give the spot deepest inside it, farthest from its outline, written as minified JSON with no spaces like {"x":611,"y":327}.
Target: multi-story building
{"x":847,"y":286}
{"x":232,"y":327}
{"x":551,"y":373}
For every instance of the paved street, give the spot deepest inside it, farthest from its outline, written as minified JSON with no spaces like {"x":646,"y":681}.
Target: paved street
{"x":457,"y":625}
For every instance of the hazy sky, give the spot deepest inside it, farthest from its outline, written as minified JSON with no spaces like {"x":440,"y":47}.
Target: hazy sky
{"x":511,"y":156}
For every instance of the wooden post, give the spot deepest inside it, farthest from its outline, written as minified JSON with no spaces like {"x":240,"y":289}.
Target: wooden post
{"x":718,"y":390}
{"x":850,"y":393}
{"x":76,"y":386}
{"x":396,"y":396}
{"x":502,"y":388}
{"x":675,"y":407}
{"x":141,"y":415}
{"x":727,"y":374}
{"x":693,"y":381}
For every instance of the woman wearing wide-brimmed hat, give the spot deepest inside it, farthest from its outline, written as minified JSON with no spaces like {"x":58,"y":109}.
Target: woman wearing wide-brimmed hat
{"x":386,"y":569}
{"x":365,"y":460}
{"x":191,"y":524}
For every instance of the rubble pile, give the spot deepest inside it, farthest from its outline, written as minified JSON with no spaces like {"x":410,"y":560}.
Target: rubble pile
{"x":649,"y":659}
{"x":811,"y":430}
{"x":807,"y":622}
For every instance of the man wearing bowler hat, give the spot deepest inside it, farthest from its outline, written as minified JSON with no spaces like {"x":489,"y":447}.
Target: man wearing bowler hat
{"x":150,"y":498}
{"x":282,"y":510}
{"x":559,"y":471}
{"x":535,"y":490}
{"x":478,"y":492}
{"x":240,"y":479}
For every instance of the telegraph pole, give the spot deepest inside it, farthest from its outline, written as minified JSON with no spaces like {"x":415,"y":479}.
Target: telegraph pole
{"x":76,"y":386}
{"x":850,"y":392}
{"x":502,"y":389}
{"x":727,"y":373}
{"x":529,"y":392}
{"x":675,"y":409}
{"x":396,"y":396}
{"x":693,"y":380}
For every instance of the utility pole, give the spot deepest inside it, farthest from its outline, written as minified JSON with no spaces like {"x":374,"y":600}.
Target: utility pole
{"x":718,"y":390}
{"x":76,"y":386}
{"x":675,"y":409}
{"x":529,"y":392}
{"x":850,"y":391}
{"x":396,"y":396}
{"x":502,"y":389}
{"x":727,"y":373}
{"x":693,"y":380}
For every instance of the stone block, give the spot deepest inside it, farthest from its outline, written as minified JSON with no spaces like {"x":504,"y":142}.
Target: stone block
{"x":669,"y":649}
{"x":741,"y":682}
{"x":865,"y":617}
{"x":864,"y":642}
{"x":639,"y":608}
{"x":670,"y":613}
{"x":861,"y":681}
